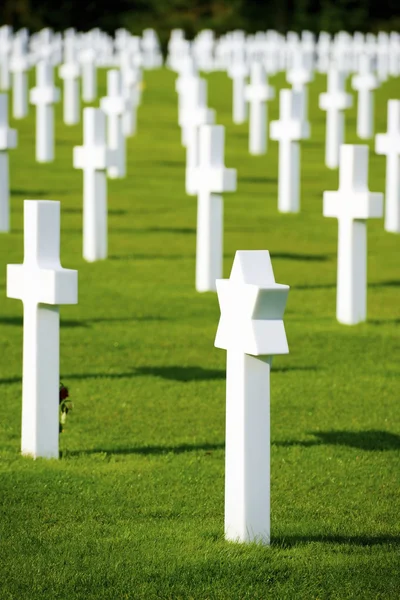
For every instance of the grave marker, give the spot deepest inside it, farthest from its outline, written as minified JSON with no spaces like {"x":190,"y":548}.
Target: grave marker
{"x":209,"y":179}
{"x":389,"y":145}
{"x":69,"y":72}
{"x":334,"y":101}
{"x":42,"y":285}
{"x":251,"y":329}
{"x":258,"y":92}
{"x":44,"y":95}
{"x":94,"y":158}
{"x":352,"y":205}
{"x":19,"y":66}
{"x":365,"y":82}
{"x":8,"y":140}
{"x":114,"y":105}
{"x":289,"y":130}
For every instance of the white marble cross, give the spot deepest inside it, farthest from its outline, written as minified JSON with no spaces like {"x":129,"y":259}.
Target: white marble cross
{"x":352,"y":205}
{"x":115,"y":105}
{"x":238,"y":72}
{"x":257,"y":93}
{"x":19,"y":67}
{"x":5,"y":50}
{"x":87,"y":59}
{"x":299,"y":76}
{"x":131,"y":82}
{"x":251,"y":329}
{"x":204,"y":117}
{"x":94,"y":158}
{"x":44,"y":95}
{"x":70,"y":73}
{"x":365,"y":82}
{"x":42,"y":285}
{"x":209,"y":179}
{"x":193,"y":109}
{"x":8,"y":139}
{"x":289,"y":130}
{"x":334,"y":102}
{"x":389,"y":145}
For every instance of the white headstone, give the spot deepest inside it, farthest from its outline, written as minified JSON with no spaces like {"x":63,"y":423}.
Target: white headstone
{"x":87,"y":60}
{"x":94,"y":158}
{"x":334,"y":101}
{"x":131,"y":83}
{"x":258,"y":92}
{"x":44,"y":95}
{"x":352,"y":205}
{"x":5,"y":51}
{"x":238,"y":72}
{"x":299,"y":76}
{"x":70,"y":73}
{"x":365,"y":82}
{"x":114,"y":105}
{"x":193,"y":108}
{"x":8,"y":139}
{"x":251,"y":329}
{"x":42,"y":285}
{"x":389,"y":145}
{"x":209,"y":179}
{"x":19,"y":67}
{"x":289,"y":130}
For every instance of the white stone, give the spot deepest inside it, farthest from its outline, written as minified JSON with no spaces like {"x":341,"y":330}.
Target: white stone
{"x":352,"y":205}
{"x":94,"y":158}
{"x":389,"y":145}
{"x":193,"y":108}
{"x":42,"y":285}
{"x":131,"y":83}
{"x":87,"y":60}
{"x":258,"y":92}
{"x":44,"y":95}
{"x":8,"y":140}
{"x":251,"y":329}
{"x":289,"y":130}
{"x":5,"y":50}
{"x":334,"y":102}
{"x":238,"y":72}
{"x":19,"y":67}
{"x":69,"y":72}
{"x":299,"y":76}
{"x":210,"y":179}
{"x":365,"y":82}
{"x":114,"y":105}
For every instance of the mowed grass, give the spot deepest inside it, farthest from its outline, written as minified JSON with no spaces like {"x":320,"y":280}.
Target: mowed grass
{"x":135,"y":506}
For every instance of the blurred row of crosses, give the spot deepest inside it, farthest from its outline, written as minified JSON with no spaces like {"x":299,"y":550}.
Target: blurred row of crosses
{"x":252,"y":304}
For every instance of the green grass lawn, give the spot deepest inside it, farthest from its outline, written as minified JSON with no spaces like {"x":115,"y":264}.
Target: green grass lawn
{"x":134,"y":508}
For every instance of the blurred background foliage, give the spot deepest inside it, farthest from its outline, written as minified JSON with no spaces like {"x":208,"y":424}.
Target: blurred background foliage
{"x":194,"y":15}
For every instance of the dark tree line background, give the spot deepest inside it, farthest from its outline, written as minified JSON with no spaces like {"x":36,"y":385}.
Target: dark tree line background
{"x":194,"y":15}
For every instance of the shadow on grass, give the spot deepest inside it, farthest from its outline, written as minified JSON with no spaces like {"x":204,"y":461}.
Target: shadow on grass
{"x":300,"y":257}
{"x":152,"y":257}
{"x":111,"y":211}
{"x":258,"y":179}
{"x":171,"y":163}
{"x":184,"y":374}
{"x":18,"y":322}
{"x":314,"y":286}
{"x":326,"y":286}
{"x":353,"y":540}
{"x":34,"y":194}
{"x":69,"y":323}
{"x":172,"y":373}
{"x":149,"y":450}
{"x":372,"y":440}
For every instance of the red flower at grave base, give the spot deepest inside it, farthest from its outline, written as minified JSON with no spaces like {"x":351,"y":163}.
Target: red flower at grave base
{"x":64,"y":394}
